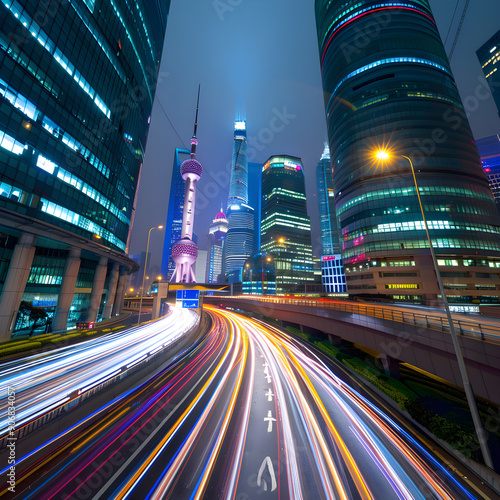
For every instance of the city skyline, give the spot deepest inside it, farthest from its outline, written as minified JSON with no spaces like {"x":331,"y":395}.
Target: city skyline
{"x":292,"y":102}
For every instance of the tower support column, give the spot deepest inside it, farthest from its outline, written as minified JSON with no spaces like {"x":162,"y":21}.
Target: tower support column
{"x":15,"y":283}
{"x":120,"y":292}
{"x":67,"y":291}
{"x":97,"y":289}
{"x":110,"y":295}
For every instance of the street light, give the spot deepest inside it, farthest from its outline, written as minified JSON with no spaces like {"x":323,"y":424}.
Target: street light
{"x":384,"y":155}
{"x":144,"y":275}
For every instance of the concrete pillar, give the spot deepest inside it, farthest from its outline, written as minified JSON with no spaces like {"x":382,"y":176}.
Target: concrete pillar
{"x":110,"y":295}
{"x":97,"y":289}
{"x":120,"y":293}
{"x":67,"y":291}
{"x":162,"y":294}
{"x":391,"y":365}
{"x":121,"y":298}
{"x":334,"y":340}
{"x":15,"y":283}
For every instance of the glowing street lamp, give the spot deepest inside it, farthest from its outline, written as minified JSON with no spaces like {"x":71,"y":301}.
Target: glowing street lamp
{"x":383,"y":155}
{"x":144,"y":275}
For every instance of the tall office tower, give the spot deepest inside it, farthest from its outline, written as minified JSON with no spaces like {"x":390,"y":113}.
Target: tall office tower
{"x":255,"y":200}
{"x":286,"y":227}
{"x":77,"y":85}
{"x":216,"y":236}
{"x":489,"y":150}
{"x":393,"y":89}
{"x":332,"y":272}
{"x":185,"y":251}
{"x":174,"y":214}
{"x":239,"y":242}
{"x":324,"y":183}
{"x":489,"y":58}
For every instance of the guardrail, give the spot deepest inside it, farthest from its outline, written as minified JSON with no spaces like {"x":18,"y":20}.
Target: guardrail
{"x":473,"y":329}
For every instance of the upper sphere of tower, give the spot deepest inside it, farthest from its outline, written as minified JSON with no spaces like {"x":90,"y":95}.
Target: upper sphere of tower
{"x":220,"y":215}
{"x":191,"y":166}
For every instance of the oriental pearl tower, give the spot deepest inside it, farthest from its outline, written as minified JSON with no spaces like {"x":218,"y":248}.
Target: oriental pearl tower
{"x":185,"y":251}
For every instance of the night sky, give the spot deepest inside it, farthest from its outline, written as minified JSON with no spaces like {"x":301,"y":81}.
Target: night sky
{"x":258,"y":59}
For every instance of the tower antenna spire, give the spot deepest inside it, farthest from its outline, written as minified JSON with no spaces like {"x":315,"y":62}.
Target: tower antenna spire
{"x":194,"y":140}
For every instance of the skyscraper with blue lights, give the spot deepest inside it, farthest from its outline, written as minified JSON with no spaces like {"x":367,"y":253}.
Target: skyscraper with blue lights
{"x":394,"y":89}
{"x":77,"y":85}
{"x":239,"y":243}
{"x":174,"y":215}
{"x":216,"y":237}
{"x":285,"y":226}
{"x":489,"y":58}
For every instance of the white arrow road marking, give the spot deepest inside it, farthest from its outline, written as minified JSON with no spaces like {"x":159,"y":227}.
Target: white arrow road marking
{"x":269,"y":395}
{"x":269,"y":419}
{"x":260,"y":481}
{"x":268,"y":378}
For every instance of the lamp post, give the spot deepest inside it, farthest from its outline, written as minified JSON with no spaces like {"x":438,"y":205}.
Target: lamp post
{"x":144,"y":275}
{"x":481,"y":435}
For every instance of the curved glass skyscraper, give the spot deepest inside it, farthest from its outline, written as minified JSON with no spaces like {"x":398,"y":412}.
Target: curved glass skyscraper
{"x":77,"y":85}
{"x":389,"y":85}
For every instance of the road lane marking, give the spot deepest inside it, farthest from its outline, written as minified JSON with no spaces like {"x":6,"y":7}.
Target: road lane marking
{"x":262,"y":482}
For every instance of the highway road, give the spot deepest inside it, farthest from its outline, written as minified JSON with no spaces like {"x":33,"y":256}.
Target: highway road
{"x":44,"y":381}
{"x":249,"y":413}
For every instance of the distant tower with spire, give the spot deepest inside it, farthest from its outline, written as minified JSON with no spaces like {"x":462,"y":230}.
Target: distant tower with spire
{"x":185,"y":251}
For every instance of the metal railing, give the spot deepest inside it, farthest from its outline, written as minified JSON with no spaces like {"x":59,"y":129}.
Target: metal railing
{"x":474,"y":329}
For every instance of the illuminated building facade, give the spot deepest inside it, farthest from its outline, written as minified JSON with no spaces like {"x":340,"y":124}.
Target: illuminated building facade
{"x":286,"y":227}
{"x":398,"y":92}
{"x":326,"y":205}
{"x":239,"y":243}
{"x":77,"y":85}
{"x":489,"y":150}
{"x":259,"y":275}
{"x":173,"y":225}
{"x":216,"y":236}
{"x":489,"y":58}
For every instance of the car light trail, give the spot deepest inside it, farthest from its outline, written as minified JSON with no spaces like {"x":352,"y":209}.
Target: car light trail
{"x":249,"y":410}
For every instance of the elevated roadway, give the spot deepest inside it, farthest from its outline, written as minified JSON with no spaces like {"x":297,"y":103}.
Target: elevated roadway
{"x":420,"y":337}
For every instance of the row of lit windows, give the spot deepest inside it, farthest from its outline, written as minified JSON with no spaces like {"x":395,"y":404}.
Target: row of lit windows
{"x":401,"y":285}
{"x":10,"y":144}
{"x":410,"y":191}
{"x":391,"y":60}
{"x":78,"y":220}
{"x":72,"y":180}
{"x":362,"y":11}
{"x":419,"y":226}
{"x":284,"y":192}
{"x":18,"y":100}
{"x":75,"y":145}
{"x":117,"y":12}
{"x":412,"y":244}
{"x":51,"y":48}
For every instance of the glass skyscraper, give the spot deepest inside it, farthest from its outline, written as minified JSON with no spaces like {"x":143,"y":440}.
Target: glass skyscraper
{"x":286,"y":227}
{"x":77,"y":84}
{"x":326,"y":205}
{"x":173,"y":225}
{"x":239,"y":243}
{"x":392,"y":88}
{"x":489,"y":58}
{"x":489,"y":150}
{"x":216,"y":237}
